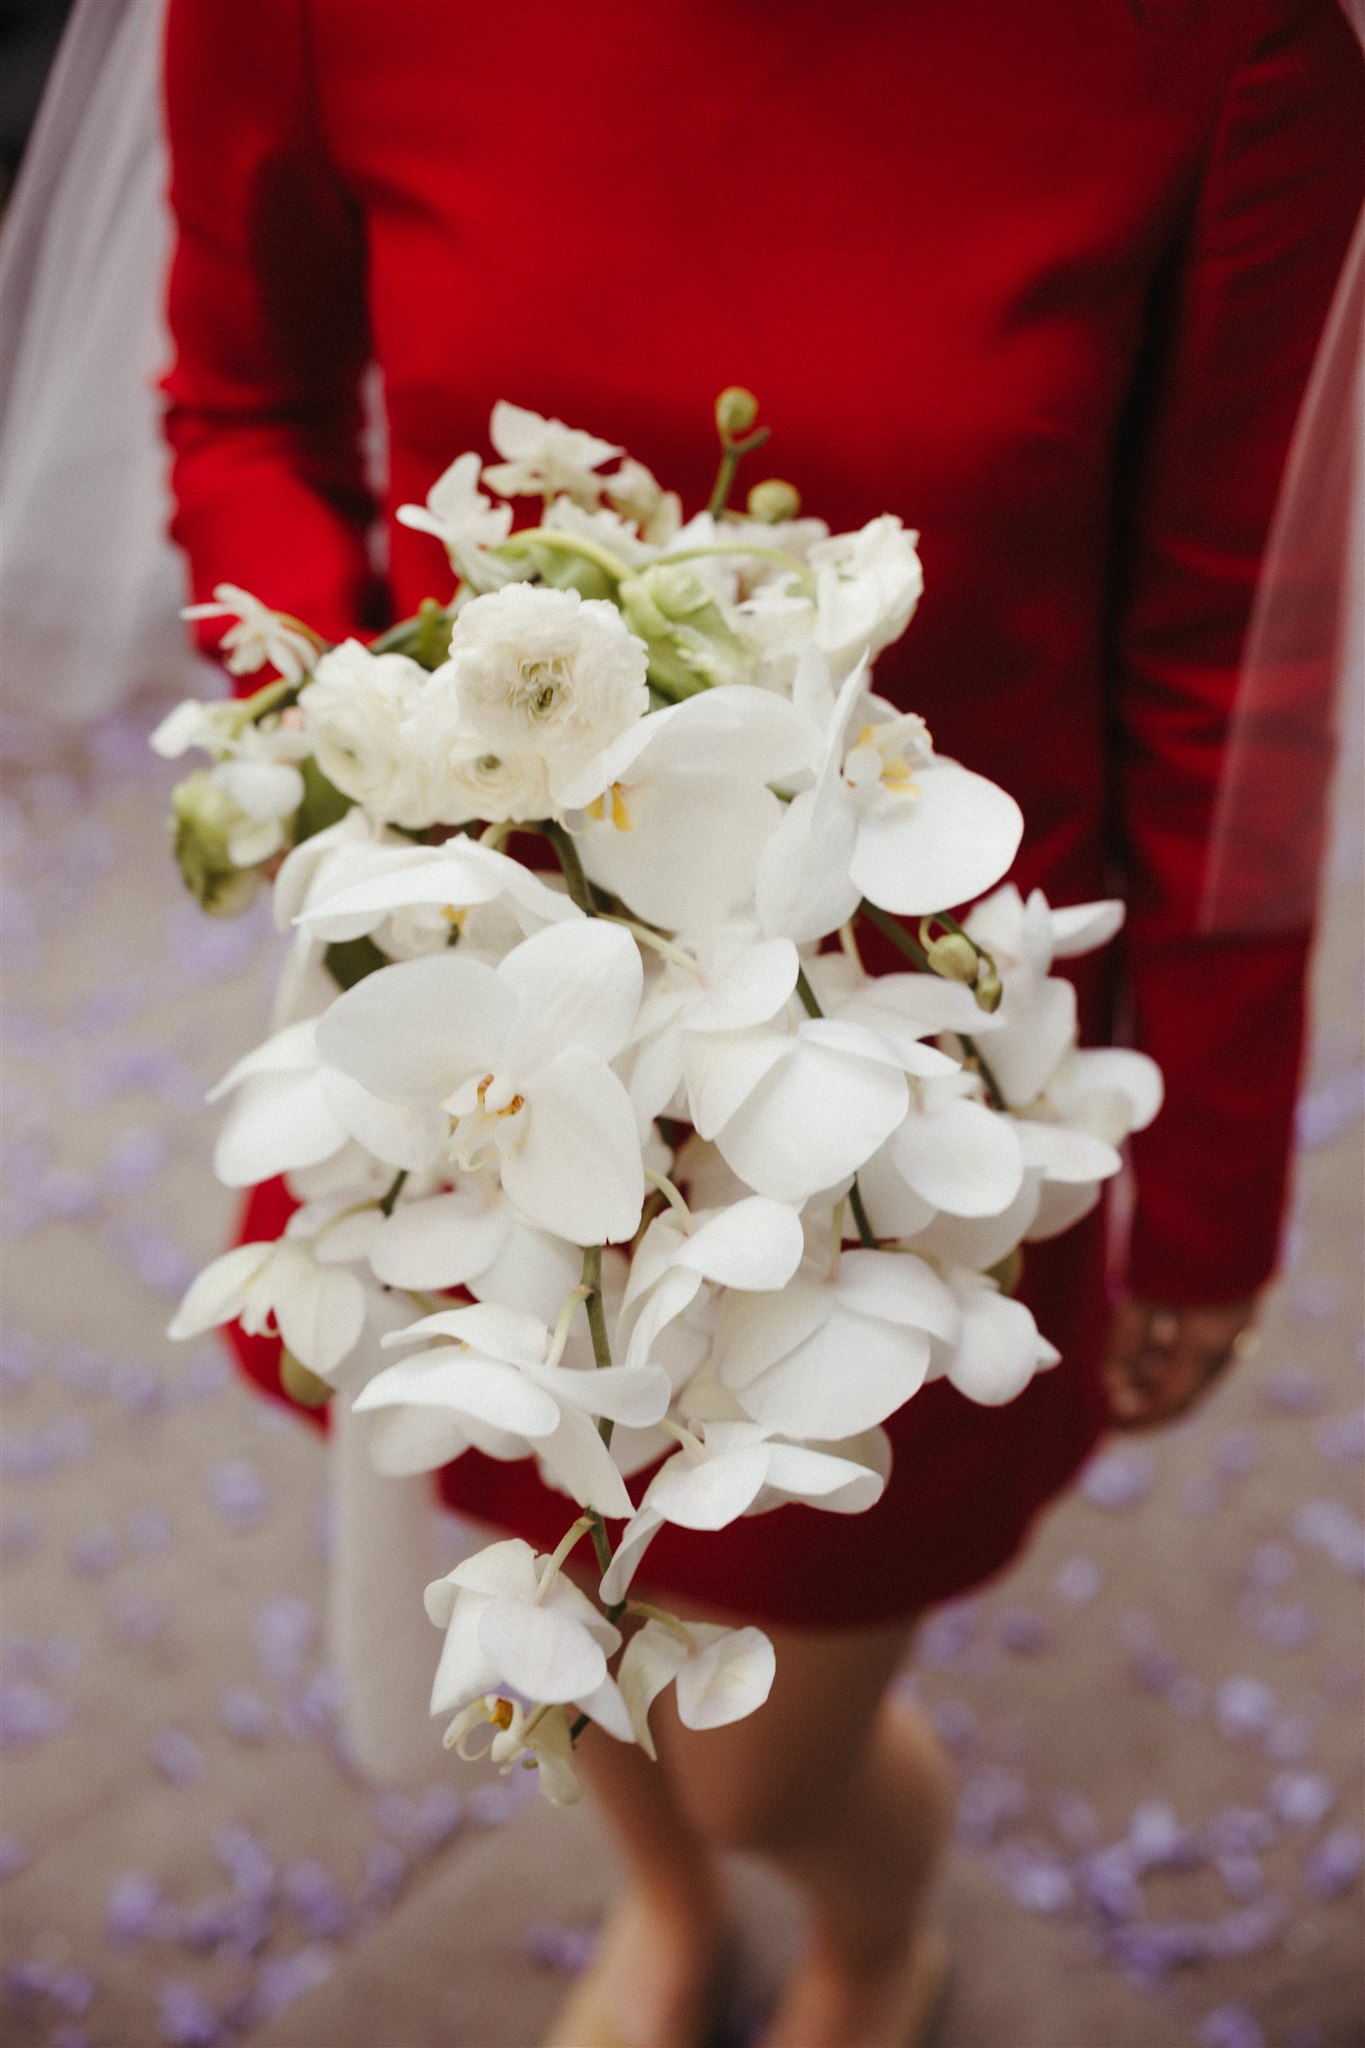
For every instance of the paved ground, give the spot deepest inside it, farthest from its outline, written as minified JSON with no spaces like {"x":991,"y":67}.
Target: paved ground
{"x":1156,"y":1716}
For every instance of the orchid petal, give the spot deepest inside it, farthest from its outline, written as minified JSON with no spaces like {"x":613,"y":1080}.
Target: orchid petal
{"x":918,"y":854}
{"x":412,"y":1032}
{"x":711,"y":1492}
{"x":729,"y":1677}
{"x":577,"y":1170}
{"x":542,"y":1653}
{"x":441,"y":1241}
{"x":215,"y":1296}
{"x":576,"y":985}
{"x":963,"y":1157}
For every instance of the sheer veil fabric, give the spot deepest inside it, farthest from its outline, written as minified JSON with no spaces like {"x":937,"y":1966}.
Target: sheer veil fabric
{"x":1299,"y":712}
{"x":90,"y":586}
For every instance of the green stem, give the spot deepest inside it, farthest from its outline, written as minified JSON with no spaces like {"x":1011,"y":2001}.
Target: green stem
{"x":809,"y":999}
{"x":394,"y":1191}
{"x":731,"y":455}
{"x":566,"y":544}
{"x":566,"y":853}
{"x":989,"y":1082}
{"x":763,"y":554}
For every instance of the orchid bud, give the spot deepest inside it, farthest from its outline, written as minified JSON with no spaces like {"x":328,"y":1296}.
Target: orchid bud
{"x":203,"y":819}
{"x":301,"y":1385}
{"x":774,"y":501}
{"x":988,"y":989}
{"x":736,"y":411}
{"x":953,"y":956}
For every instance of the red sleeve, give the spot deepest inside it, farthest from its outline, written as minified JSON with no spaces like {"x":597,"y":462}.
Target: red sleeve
{"x":267,"y":315}
{"x":1279,"y":193}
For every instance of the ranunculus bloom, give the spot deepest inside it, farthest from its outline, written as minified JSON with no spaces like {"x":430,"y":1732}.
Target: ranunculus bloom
{"x":354,"y":711}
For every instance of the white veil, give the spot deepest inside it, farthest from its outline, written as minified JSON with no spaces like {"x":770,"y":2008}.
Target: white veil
{"x":1298,"y":710}
{"x":90,"y":586}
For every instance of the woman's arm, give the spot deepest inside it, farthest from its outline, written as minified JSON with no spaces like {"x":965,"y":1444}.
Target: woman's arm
{"x":1280,"y":191}
{"x":267,"y":312}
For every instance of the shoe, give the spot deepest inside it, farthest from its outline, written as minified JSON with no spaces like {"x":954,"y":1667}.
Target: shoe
{"x":927,"y":1992}
{"x":585,"y":2021}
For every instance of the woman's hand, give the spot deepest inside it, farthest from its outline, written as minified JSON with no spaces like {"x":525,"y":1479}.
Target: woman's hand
{"x":1161,"y":1361}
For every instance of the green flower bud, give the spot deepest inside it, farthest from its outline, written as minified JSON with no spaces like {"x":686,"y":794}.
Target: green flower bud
{"x":736,"y":411}
{"x":690,"y":645}
{"x":203,"y":818}
{"x":988,"y":990}
{"x":953,"y":956}
{"x":301,"y":1385}
{"x":774,"y":501}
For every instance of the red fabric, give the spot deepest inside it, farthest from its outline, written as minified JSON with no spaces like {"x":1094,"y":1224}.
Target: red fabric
{"x":1046,"y":280}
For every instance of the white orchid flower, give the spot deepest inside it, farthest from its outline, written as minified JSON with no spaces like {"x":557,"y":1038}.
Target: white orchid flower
{"x":512,"y":1620}
{"x":471,"y":1236}
{"x":541,"y":1738}
{"x":544,"y":457}
{"x":260,"y":636}
{"x":868,"y":585}
{"x":1036,"y":1020}
{"x":637,"y":495}
{"x":998,"y":1348}
{"x":887,"y":819}
{"x":727,"y":978}
{"x":834,"y":1355}
{"x":500,"y":1371}
{"x":710,"y":757}
{"x":420,"y":895}
{"x":755,"y":1245}
{"x":794,"y":1110}
{"x":467,"y":524}
{"x":294,"y":1110}
{"x":721,"y":1674}
{"x":737,"y":1468}
{"x":319,"y":1309}
{"x":518,"y":1056}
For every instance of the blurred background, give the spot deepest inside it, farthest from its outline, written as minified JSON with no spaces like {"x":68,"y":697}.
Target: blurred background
{"x":1156,"y":1716}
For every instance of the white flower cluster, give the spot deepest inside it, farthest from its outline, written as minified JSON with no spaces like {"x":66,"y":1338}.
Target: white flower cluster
{"x":632,"y":1161}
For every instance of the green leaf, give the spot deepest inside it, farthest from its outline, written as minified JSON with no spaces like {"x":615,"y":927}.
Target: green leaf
{"x":323,"y":803}
{"x":350,"y":960}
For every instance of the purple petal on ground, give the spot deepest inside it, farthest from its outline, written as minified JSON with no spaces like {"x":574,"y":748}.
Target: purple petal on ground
{"x":1078,"y":1581}
{"x":285,"y":1628}
{"x":386,"y":1870}
{"x":31,"y":1978}
{"x":1244,"y":1707}
{"x":239,"y":1493}
{"x":958,"y":1725}
{"x":30,"y":1713}
{"x":1249,"y":1929}
{"x":1022,"y":1630}
{"x":1288,"y":1739}
{"x":177,"y":1756}
{"x":136,"y":1617}
{"x":1293,"y":1390}
{"x":15,"y":1854}
{"x":492,"y":1806}
{"x":1328,"y":1525}
{"x":1243,"y":1876}
{"x":440,"y":1811}
{"x":64,"y":2036}
{"x":1231,"y":2026}
{"x":1156,"y":1840}
{"x":74,"y":1990}
{"x":1035,"y":1877}
{"x":1341,"y":1438}
{"x":989,"y":1801}
{"x":947,"y":1636}
{"x":283,"y":1979}
{"x":1334,"y":1864}
{"x":1241,"y":1830}
{"x":247,"y":1861}
{"x":1237,"y":1452}
{"x":186,"y":2017}
{"x":317,"y":1898}
{"x":1328,"y":1109}
{"x":1119,"y":1479}
{"x":136,"y":1157}
{"x":1271,"y":1566}
{"x":569,"y":1949}
{"x":1301,"y":1799}
{"x":1074,"y":1818}
{"x":1109,"y":1883}
{"x":245,"y":1714}
{"x":1149,"y":1951}
{"x":134,"y":1908}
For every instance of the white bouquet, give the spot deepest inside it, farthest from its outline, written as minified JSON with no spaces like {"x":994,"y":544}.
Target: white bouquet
{"x":599,"y":1127}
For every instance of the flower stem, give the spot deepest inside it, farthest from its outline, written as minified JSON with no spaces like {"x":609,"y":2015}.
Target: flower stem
{"x":565,"y":544}
{"x":916,"y":954}
{"x":395,"y":1189}
{"x":731,"y":455}
{"x":566,"y":853}
{"x":779,"y":555}
{"x":670,"y":1195}
{"x":809,"y":999}
{"x":561,"y":1550}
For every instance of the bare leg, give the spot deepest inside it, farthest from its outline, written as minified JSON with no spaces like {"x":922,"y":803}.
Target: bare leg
{"x":848,"y":1796}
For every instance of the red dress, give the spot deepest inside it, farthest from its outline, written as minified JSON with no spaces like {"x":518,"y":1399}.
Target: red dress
{"x":1045,"y":280}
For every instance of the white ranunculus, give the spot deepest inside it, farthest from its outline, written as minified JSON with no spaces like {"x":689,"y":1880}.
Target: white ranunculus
{"x":354,"y":711}
{"x":260,"y":636}
{"x":542,"y":673}
{"x":722,"y":1674}
{"x":544,"y":457}
{"x":467,"y":524}
{"x":518,"y":1056}
{"x":868,"y":584}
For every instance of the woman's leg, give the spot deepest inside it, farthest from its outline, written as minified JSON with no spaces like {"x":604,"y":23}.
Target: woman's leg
{"x":844,"y":1792}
